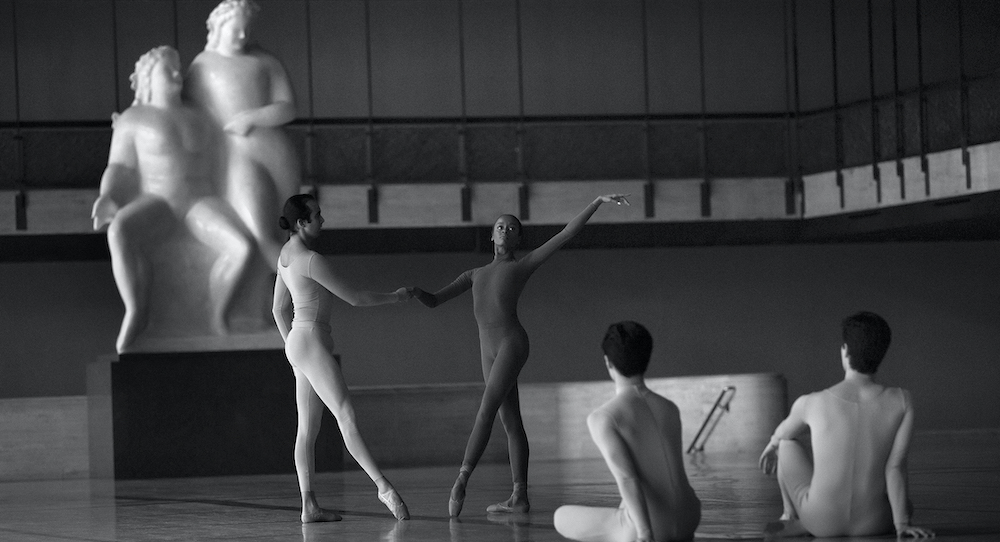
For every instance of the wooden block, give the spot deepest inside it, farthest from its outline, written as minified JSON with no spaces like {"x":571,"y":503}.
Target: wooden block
{"x":947,"y":174}
{"x":490,"y":200}
{"x":60,"y":211}
{"x":555,"y":414}
{"x":101,"y":445}
{"x":821,"y":193}
{"x":860,"y":190}
{"x":43,"y":438}
{"x":677,"y":200}
{"x":420,"y":205}
{"x":748,"y":199}
{"x":8,"y":211}
{"x":344,"y":205}
{"x":984,"y":161}
{"x":558,"y":202}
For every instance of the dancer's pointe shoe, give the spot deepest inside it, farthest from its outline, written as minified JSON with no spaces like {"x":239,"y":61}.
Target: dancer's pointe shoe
{"x":395,"y":504}
{"x":510,"y":506}
{"x":457,"y":498}
{"x":320,"y":515}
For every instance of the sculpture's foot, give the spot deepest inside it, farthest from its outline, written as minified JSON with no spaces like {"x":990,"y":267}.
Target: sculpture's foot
{"x":132,"y":325}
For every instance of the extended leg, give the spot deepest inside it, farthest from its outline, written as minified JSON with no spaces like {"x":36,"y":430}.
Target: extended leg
{"x":213,"y":223}
{"x":795,"y":470}
{"x":134,"y":229}
{"x":310,"y":413}
{"x":501,"y":376}
{"x":325,"y":376}
{"x":517,"y":449}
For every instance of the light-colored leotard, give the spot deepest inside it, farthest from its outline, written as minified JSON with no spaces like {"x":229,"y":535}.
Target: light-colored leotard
{"x":639,"y":435}
{"x":311,"y":302}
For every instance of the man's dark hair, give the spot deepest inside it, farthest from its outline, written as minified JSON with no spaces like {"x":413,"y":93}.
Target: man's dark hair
{"x":867,"y":336}
{"x":628,"y":345}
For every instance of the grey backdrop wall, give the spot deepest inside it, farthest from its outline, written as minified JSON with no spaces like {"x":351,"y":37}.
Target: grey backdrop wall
{"x":711,"y":310}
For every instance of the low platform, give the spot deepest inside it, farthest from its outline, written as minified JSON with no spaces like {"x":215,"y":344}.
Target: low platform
{"x":229,"y":413}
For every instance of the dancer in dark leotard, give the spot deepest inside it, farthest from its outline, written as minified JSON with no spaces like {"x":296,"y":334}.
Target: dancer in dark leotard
{"x":496,"y":288}
{"x":303,"y":298}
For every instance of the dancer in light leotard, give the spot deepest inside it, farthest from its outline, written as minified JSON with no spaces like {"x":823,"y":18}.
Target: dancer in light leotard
{"x":639,"y":434}
{"x":303,"y":295}
{"x":496,"y":288}
{"x":853,"y":482}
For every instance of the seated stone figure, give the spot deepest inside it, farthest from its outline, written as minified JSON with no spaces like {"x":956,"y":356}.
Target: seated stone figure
{"x":246,"y":91}
{"x":639,"y":434}
{"x":159,"y":186}
{"x":853,"y":481}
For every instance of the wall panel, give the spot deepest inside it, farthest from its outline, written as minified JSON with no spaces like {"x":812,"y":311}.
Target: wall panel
{"x":582,"y":57}
{"x":340,"y":63}
{"x":491,"y":63}
{"x":66,"y":60}
{"x":815,"y":55}
{"x":744,"y":56}
{"x":415,"y":58}
{"x":674,"y":57}
{"x":8,"y":94}
{"x":907,"y":44}
{"x":940,"y":24}
{"x":982,"y":41}
{"x":140,"y":25}
{"x":852,"y":50}
{"x":191,"y":30}
{"x":281,"y":29}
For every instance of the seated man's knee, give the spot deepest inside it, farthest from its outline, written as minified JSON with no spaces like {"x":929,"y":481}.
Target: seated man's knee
{"x":564,"y":521}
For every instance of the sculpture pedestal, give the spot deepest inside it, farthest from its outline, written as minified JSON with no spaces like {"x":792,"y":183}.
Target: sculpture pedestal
{"x":209,"y":414}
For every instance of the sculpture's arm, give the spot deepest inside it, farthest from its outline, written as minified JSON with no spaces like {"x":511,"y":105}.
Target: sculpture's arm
{"x":120,"y":181}
{"x":279,"y":111}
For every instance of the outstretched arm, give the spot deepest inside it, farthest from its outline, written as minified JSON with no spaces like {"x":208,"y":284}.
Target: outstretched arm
{"x":619,"y":459}
{"x":896,"y":478}
{"x":539,"y":255}
{"x":791,"y":427}
{"x":322,"y":272}
{"x":281,"y":307}
{"x":457,"y":286}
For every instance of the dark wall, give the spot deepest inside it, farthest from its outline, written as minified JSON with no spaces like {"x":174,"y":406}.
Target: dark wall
{"x":711,"y":310}
{"x":583,"y":76}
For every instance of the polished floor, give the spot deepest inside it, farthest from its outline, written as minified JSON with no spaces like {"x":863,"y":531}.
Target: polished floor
{"x":954,"y":481}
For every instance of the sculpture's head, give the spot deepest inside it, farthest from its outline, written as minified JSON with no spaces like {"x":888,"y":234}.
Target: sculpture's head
{"x":159,"y":70}
{"x":506,"y":232}
{"x":229,"y":25}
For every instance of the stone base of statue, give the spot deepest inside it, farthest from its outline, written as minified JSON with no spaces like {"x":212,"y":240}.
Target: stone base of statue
{"x":182,"y":305}
{"x":207,"y":414}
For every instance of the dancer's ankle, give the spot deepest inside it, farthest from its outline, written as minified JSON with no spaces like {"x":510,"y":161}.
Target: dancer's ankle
{"x":383,"y":484}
